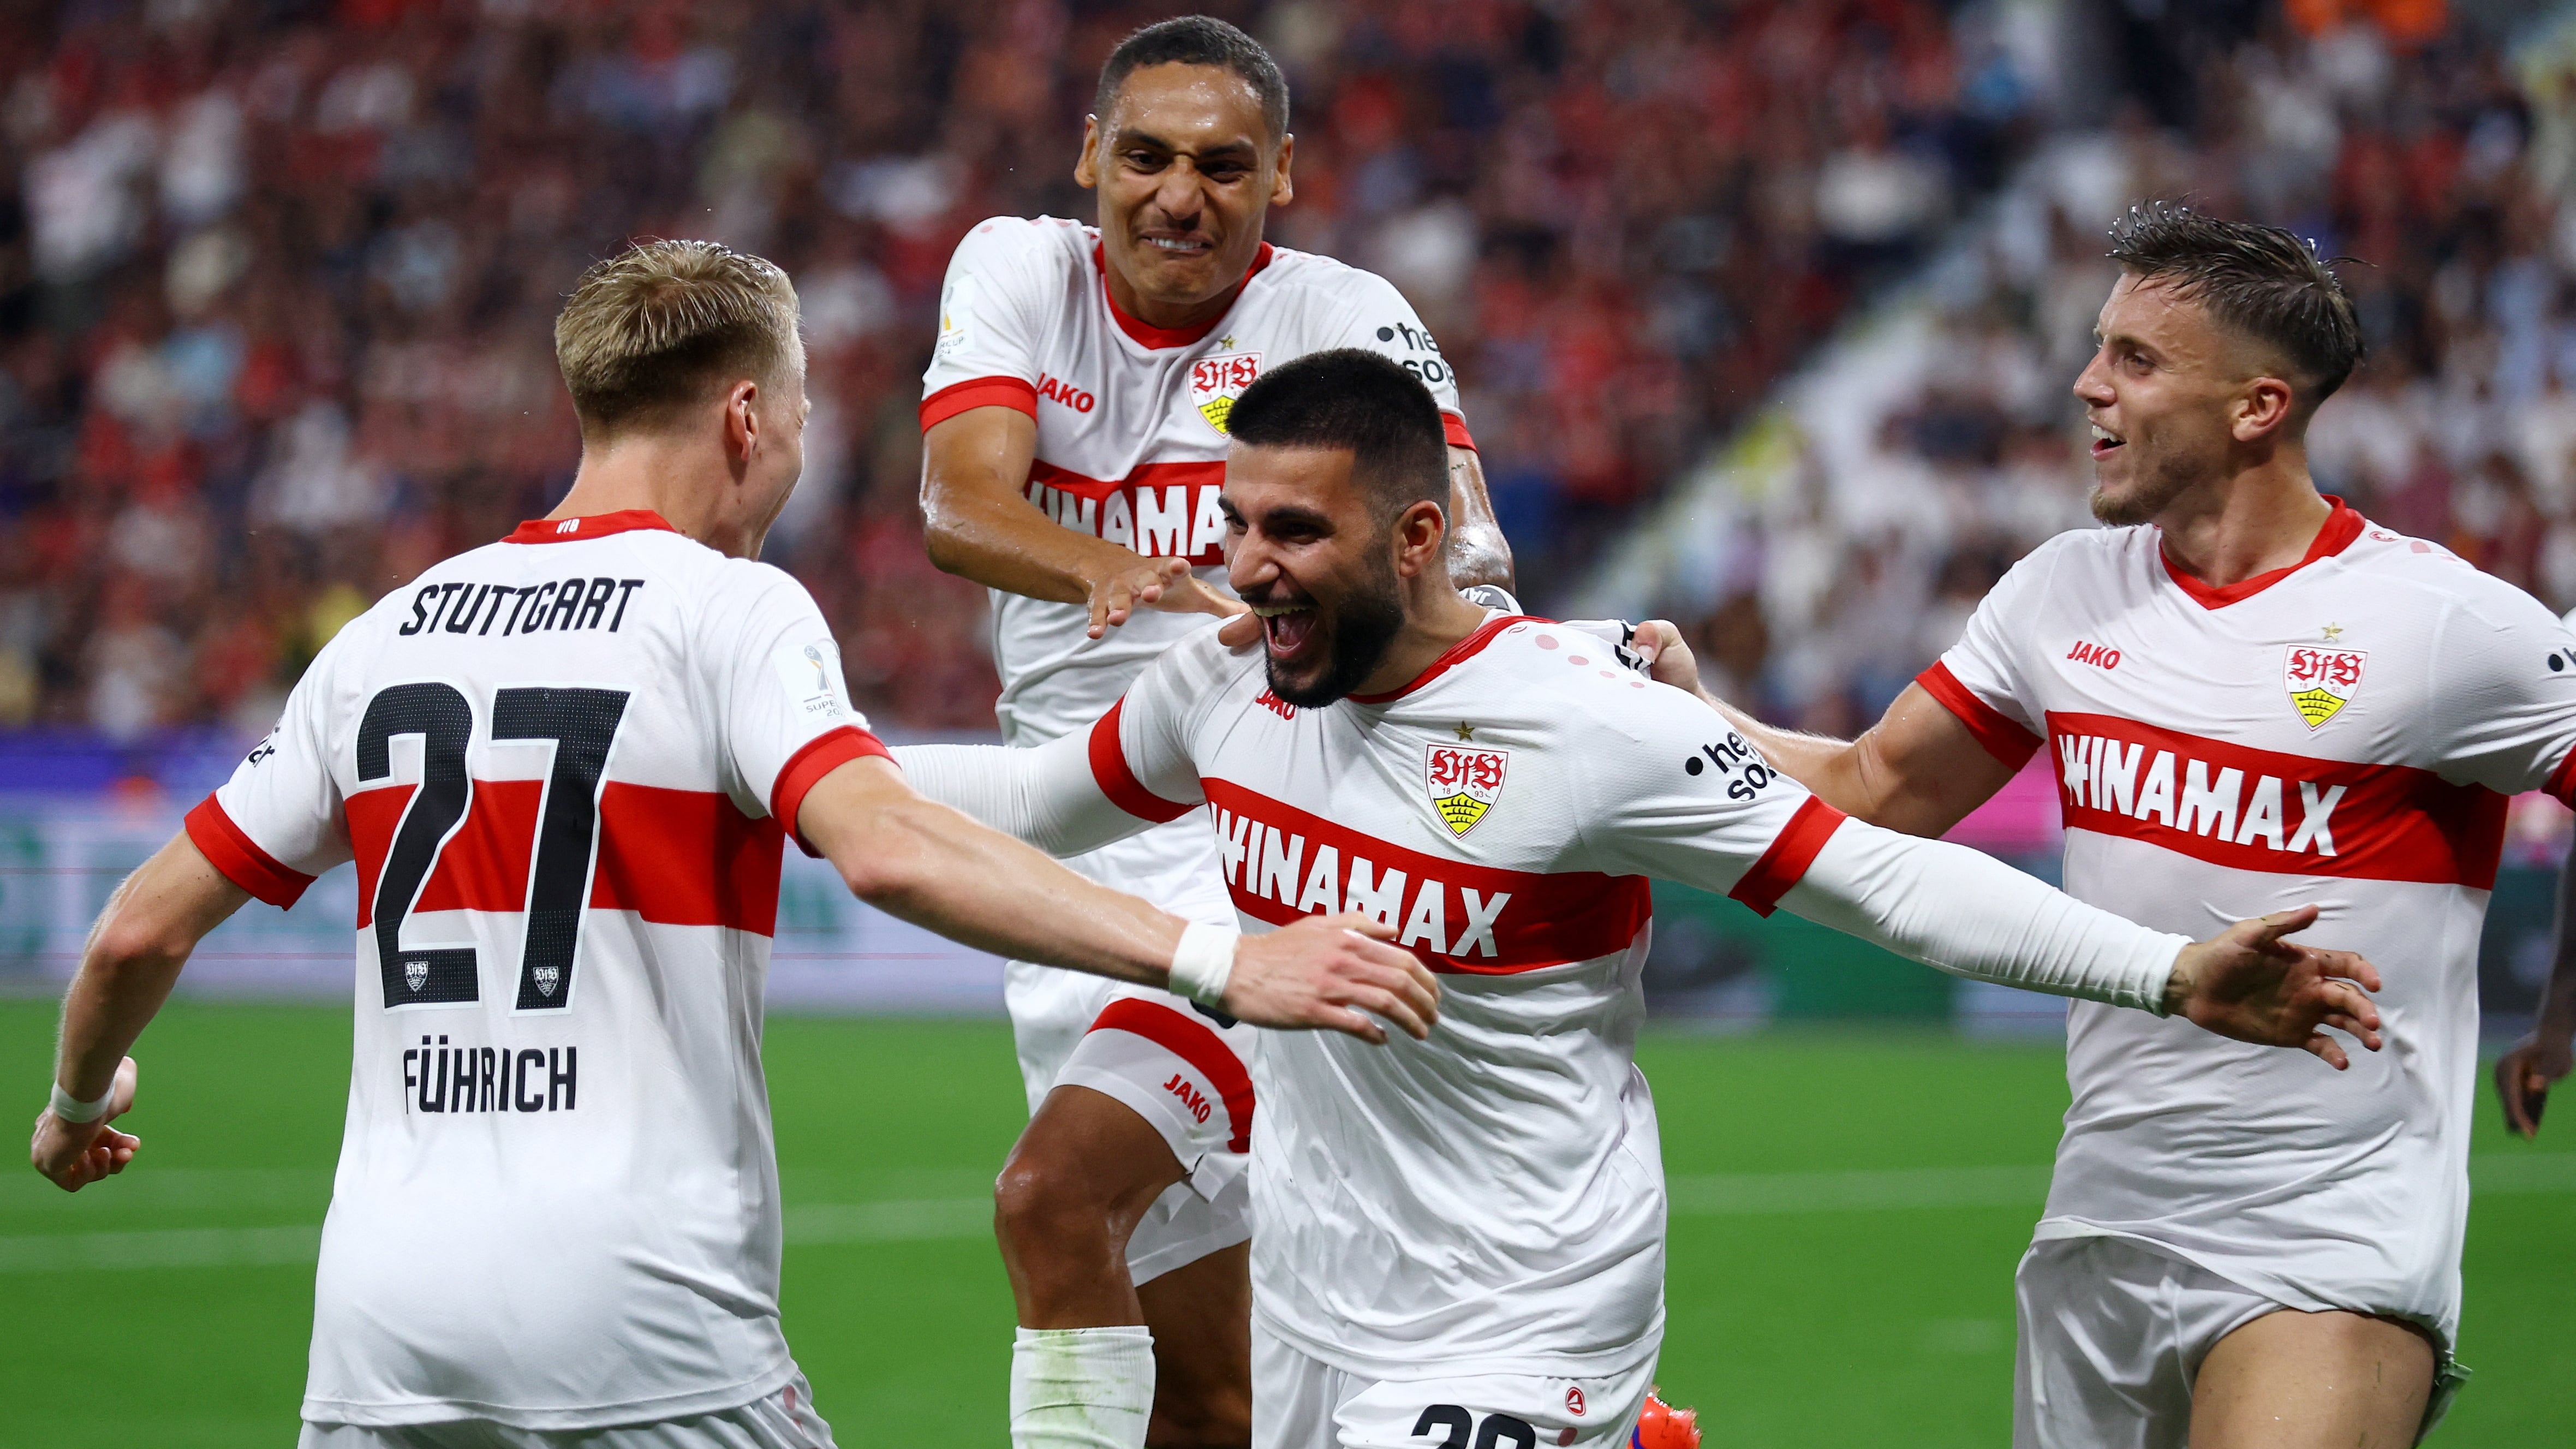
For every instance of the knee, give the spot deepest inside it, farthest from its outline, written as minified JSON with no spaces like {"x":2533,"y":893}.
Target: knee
{"x":1042,"y":1199}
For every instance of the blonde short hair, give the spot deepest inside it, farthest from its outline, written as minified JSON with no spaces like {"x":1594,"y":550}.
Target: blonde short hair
{"x":659,"y":326}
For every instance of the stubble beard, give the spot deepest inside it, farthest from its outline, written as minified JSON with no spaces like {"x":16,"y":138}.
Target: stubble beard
{"x":2159,"y":483}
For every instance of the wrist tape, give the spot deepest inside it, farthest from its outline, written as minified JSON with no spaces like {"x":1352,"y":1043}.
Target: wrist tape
{"x":1203,"y":962}
{"x":72,"y":1109}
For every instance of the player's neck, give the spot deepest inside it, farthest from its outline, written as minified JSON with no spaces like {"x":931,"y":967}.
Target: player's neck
{"x":1169,"y":316}
{"x":1435,"y":619}
{"x":670,"y":477}
{"x":2262,"y":518}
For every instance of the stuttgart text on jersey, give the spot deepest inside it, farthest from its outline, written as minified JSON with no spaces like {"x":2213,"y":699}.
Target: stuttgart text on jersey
{"x":557,"y":605}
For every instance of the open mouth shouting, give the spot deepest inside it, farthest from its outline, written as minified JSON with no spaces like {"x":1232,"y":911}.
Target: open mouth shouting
{"x":2106,"y":442}
{"x":1287,"y":630}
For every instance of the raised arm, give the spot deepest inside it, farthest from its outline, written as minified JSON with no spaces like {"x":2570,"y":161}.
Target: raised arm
{"x":926,"y":863}
{"x":979,"y":525}
{"x":128,"y":966}
{"x":1477,"y":551}
{"x":1918,"y":770}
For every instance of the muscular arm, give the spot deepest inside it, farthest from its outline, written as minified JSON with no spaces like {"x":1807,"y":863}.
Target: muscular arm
{"x":978,"y":523}
{"x":128,"y":966}
{"x":1918,"y":770}
{"x":1477,"y":553}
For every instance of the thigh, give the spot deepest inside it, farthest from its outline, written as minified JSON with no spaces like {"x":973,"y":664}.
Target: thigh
{"x":2291,"y":1380}
{"x":1180,"y":1069}
{"x":2099,"y":1360}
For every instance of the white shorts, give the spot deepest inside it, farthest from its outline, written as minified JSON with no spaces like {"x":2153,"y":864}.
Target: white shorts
{"x":1304,"y":1403}
{"x":784,"y":1419}
{"x":1181,"y":1067}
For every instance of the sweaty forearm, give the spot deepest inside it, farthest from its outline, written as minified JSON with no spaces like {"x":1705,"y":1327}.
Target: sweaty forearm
{"x":1477,"y":552}
{"x":133,"y":958}
{"x":1006,"y":544}
{"x":1971,"y":915}
{"x":1045,"y":796}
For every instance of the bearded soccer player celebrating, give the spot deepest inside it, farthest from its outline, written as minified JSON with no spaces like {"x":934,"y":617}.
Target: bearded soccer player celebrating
{"x":566,"y":764}
{"x":1462,"y":1240}
{"x":1088,"y":371}
{"x":2252,"y":696}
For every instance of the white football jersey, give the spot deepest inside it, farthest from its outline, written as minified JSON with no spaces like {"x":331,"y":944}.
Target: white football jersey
{"x":2345,"y":733}
{"x":565,"y":765}
{"x":1131,"y":424}
{"x":1490,"y":1200}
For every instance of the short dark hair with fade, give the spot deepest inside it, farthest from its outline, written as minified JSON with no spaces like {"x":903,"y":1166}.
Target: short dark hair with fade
{"x":1353,"y":398}
{"x":2260,"y":280}
{"x":1197,"y":40}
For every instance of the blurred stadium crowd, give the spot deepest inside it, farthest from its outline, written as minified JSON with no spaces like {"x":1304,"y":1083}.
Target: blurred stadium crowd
{"x":277,"y":282}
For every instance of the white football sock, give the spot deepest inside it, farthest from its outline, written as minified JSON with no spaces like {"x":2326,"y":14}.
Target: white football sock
{"x":1082,"y":1388}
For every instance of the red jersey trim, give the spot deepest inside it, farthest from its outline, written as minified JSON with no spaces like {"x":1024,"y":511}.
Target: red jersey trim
{"x":978,"y":392}
{"x":1192,"y":1042}
{"x":806,"y":768}
{"x":1457,"y":654}
{"x":2562,"y":782}
{"x":2341,"y":527}
{"x":595,"y":525}
{"x":229,"y":849}
{"x":2279,"y":814}
{"x":1282,"y":864}
{"x":1110,"y":770}
{"x":1785,"y":863}
{"x":1146,"y":334}
{"x":2003,"y":737}
{"x":1454,"y":428}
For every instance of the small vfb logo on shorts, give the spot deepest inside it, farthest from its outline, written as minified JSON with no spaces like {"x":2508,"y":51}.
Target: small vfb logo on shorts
{"x":1464,"y":783}
{"x":2321,"y":681}
{"x":1574,"y":1400}
{"x":1215,"y":382}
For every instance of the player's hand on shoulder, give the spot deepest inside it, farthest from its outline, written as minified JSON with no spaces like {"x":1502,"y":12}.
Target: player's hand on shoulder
{"x":2523,"y":1077}
{"x":1668,"y":659}
{"x":1153,"y":583}
{"x":75,"y":1154}
{"x":2249,"y":983}
{"x":1336,"y":973}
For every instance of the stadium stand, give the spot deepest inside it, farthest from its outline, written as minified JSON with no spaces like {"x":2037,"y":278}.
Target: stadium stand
{"x":276,"y":278}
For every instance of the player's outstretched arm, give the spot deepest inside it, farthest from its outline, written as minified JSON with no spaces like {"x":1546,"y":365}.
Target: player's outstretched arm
{"x":1917,"y":770}
{"x":127,"y":969}
{"x":1477,"y":552}
{"x":978,"y":523}
{"x":1971,"y":915}
{"x":2526,"y":1072}
{"x":928,"y":864}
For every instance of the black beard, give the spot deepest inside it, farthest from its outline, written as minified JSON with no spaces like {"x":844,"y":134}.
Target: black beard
{"x":1363,"y":629}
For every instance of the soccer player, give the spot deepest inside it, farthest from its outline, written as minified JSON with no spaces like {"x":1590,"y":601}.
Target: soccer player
{"x":1074,"y":439}
{"x":2252,"y":696}
{"x":1462,"y":1240}
{"x":565,"y":764}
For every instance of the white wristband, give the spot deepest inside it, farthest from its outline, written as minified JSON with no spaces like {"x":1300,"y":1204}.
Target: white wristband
{"x":71,"y":1109}
{"x":1203,"y":961}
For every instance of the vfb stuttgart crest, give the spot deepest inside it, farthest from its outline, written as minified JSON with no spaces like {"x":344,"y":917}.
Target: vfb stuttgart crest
{"x":1215,"y":382}
{"x":1464,"y":783}
{"x":2321,"y":681}
{"x":415,"y":974}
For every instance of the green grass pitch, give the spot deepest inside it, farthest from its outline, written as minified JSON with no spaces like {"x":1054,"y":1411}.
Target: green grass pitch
{"x":1848,"y":1210}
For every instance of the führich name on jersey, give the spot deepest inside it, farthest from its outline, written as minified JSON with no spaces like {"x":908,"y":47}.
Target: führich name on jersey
{"x":443,"y":1078}
{"x":1281,"y":863}
{"x":2267,"y":811}
{"x":562,"y":604}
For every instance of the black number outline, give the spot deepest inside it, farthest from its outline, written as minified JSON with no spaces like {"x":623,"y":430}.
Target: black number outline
{"x":1489,"y":1435}
{"x":443,"y":719}
{"x":1452,"y":1417}
{"x":567,"y":850}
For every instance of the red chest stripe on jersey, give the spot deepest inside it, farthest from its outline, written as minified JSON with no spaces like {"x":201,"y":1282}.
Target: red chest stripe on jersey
{"x":1110,"y":770}
{"x":1161,"y":510}
{"x":2260,"y":810}
{"x":1785,"y":862}
{"x":2004,"y":739}
{"x":978,"y":392}
{"x":1192,"y":1042}
{"x":229,"y":849}
{"x":674,"y":857}
{"x":1282,"y":864}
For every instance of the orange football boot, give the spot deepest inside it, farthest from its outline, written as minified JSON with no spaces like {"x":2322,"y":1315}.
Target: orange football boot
{"x":1662,"y":1426}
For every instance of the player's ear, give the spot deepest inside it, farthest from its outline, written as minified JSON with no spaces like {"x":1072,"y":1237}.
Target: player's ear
{"x":1419,"y":532}
{"x":742,"y":421}
{"x":1282,"y":190}
{"x":1085,"y":173}
{"x":2262,"y":409}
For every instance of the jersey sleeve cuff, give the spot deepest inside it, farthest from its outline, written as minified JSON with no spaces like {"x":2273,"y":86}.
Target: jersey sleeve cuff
{"x":1454,"y":428}
{"x":1110,"y":770}
{"x":229,"y":849}
{"x":2003,"y":737}
{"x":806,"y":768}
{"x":1791,"y":852}
{"x":978,"y":392}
